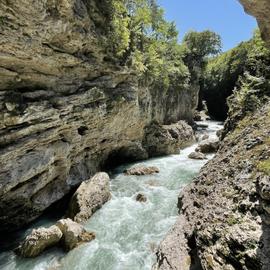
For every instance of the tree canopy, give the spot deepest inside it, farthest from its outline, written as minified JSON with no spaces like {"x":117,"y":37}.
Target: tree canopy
{"x":141,"y":38}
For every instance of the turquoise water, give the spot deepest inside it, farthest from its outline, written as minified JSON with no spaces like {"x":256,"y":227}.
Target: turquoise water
{"x":127,"y":231}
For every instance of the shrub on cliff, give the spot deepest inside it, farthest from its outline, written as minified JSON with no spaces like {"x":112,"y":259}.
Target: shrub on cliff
{"x":253,"y":87}
{"x":245,"y":67}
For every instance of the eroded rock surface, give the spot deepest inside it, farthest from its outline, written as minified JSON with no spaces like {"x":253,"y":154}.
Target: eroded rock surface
{"x":39,"y":240}
{"x":225,"y":211}
{"x":66,"y":234}
{"x":197,"y":155}
{"x":74,"y":234}
{"x":142,"y":170}
{"x":167,"y":139}
{"x":89,"y":197}
{"x":66,"y":104}
{"x":208,"y":146}
{"x":261,"y":10}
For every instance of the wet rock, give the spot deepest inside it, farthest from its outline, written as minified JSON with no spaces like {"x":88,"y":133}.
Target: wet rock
{"x":197,"y":155}
{"x":208,"y":146}
{"x":219,"y":133}
{"x":39,"y":240}
{"x":142,"y":170}
{"x":74,"y":234}
{"x":205,"y":137}
{"x":167,"y":139}
{"x":89,"y":197}
{"x":66,"y":233}
{"x":173,"y":251}
{"x":197,"y":116}
{"x":141,"y":198}
{"x":202,"y":125}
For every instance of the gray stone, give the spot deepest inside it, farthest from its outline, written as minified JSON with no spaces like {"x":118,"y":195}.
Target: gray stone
{"x":39,"y":240}
{"x":74,"y":234}
{"x":167,"y":139}
{"x":89,"y":197}
{"x":208,"y":146}
{"x":142,"y":170}
{"x":197,"y":155}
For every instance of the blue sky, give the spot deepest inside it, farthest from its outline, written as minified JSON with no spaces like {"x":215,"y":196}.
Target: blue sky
{"x":225,"y":17}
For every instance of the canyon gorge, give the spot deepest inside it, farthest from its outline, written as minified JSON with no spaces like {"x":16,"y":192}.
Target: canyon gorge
{"x":72,"y":103}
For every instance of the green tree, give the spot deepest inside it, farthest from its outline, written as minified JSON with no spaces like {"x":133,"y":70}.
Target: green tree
{"x":202,"y":44}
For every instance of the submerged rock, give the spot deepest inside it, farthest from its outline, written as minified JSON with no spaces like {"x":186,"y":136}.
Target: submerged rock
{"x":89,"y":197}
{"x":141,"y":198}
{"x":197,"y":155}
{"x":39,"y":240}
{"x":74,"y":234}
{"x":208,"y":146}
{"x":167,"y":139}
{"x":142,"y":170}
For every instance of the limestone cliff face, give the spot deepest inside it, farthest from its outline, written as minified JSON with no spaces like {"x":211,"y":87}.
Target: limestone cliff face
{"x":261,"y":10}
{"x":65,"y":106}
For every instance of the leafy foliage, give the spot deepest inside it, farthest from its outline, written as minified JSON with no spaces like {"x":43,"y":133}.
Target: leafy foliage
{"x":202,"y":44}
{"x":245,"y":69}
{"x":141,"y":38}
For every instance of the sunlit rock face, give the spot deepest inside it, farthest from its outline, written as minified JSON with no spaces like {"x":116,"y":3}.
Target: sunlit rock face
{"x":224,"y":213}
{"x":65,"y":103}
{"x":261,"y":10}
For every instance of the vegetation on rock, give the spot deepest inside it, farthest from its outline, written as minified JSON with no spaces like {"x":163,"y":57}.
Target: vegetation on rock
{"x":144,"y":40}
{"x":244,"y":69}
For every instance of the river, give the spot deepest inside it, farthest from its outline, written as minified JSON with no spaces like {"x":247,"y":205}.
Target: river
{"x":127,"y":231}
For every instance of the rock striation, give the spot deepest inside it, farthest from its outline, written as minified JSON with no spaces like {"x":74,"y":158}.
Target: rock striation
{"x":66,"y":104}
{"x":89,"y":197}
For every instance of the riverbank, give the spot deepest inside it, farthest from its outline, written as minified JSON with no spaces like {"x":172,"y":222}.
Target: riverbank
{"x":127,"y":231}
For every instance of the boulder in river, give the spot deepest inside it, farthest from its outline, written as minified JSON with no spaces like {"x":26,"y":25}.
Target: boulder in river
{"x":205,"y":137}
{"x":89,"y":197}
{"x":39,"y":240}
{"x":197,"y":155}
{"x":142,"y":170}
{"x":141,"y":198}
{"x":65,"y":233}
{"x":167,"y":139}
{"x":74,"y":234}
{"x":208,"y":146}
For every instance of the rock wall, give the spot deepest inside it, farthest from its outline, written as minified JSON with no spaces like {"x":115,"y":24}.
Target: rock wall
{"x":224,"y":214}
{"x":65,"y":104}
{"x":261,"y":10}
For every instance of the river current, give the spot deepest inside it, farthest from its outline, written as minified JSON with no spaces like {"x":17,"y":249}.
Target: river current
{"x":127,"y":231}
